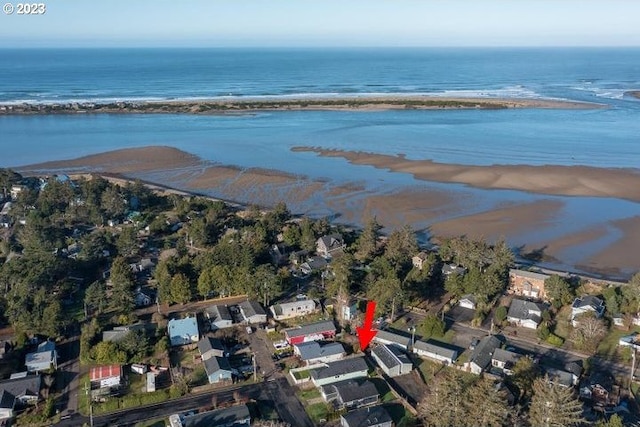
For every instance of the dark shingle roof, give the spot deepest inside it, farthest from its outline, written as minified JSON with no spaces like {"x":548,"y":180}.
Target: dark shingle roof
{"x":214,"y":364}
{"x":7,"y":400}
{"x":588,"y":301}
{"x":340,"y":367}
{"x":401,"y":340}
{"x":437,"y":347}
{"x":29,"y":385}
{"x":351,"y":390}
{"x":311,"y":328}
{"x":252,"y":308}
{"x":207,"y":343}
{"x":219,"y":417}
{"x":523,"y":310}
{"x":390,"y":355}
{"x":483,"y":352}
{"x":366,"y":417}
{"x":218,"y":312}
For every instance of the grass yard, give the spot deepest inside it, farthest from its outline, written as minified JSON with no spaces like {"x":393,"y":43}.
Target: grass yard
{"x":300,"y":375}
{"x":317,"y":412}
{"x":313,"y":393}
{"x":158,"y":422}
{"x":563,"y":325}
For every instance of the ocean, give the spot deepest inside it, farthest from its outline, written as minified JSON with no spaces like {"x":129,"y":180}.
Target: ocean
{"x":604,"y":137}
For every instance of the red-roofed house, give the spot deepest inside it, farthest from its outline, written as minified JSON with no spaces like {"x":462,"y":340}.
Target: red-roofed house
{"x":104,"y":378}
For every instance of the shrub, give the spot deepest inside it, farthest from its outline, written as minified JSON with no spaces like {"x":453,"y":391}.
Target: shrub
{"x":553,"y":339}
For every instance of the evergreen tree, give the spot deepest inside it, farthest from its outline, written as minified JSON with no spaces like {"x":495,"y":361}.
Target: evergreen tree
{"x":486,"y":405}
{"x":367,"y":242}
{"x":554,"y":406}
{"x":444,"y":403}
{"x":180,"y":289}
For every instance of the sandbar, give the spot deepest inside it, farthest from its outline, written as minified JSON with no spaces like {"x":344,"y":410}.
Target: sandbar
{"x":256,"y":104}
{"x":550,"y":179}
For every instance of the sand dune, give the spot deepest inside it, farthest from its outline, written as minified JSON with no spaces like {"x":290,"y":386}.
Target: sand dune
{"x":553,"y":180}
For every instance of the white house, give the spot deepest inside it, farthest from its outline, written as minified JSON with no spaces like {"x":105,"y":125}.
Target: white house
{"x":504,"y":360}
{"x":288,"y":310}
{"x":468,"y":301}
{"x":436,"y":350}
{"x":17,"y":392}
{"x":586,"y":304}
{"x":386,"y":337}
{"x":313,"y":353}
{"x":525,"y":313}
{"x":330,"y":245}
{"x":218,"y":317}
{"x":482,"y":354}
{"x":345,"y":369}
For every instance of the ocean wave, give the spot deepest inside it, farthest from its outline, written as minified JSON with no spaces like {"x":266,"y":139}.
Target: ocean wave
{"x":604,"y":92}
{"x":510,"y":92}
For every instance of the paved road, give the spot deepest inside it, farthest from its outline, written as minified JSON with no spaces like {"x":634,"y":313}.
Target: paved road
{"x":69,"y":374}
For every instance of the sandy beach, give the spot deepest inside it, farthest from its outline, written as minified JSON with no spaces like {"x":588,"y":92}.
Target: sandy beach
{"x":552,"y":180}
{"x":256,"y":104}
{"x":435,"y":210}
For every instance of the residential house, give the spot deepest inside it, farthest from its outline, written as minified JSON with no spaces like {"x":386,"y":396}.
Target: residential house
{"x":218,"y":317}
{"x":183,"y":331}
{"x":142,"y":298}
{"x":287,"y":310}
{"x":317,"y":331}
{"x":278,"y":254}
{"x":525,"y":313}
{"x":233,"y":416}
{"x":16,"y":190}
{"x":341,"y":370}
{"x":632,"y":340}
{"x":16,"y":393}
{"x":44,"y":359}
{"x":313,"y":264}
{"x":449,"y":269}
{"x":482,"y":354}
{"x":586,"y":304}
{"x":350,"y":394}
{"x":218,"y":369}
{"x":561,"y":377}
{"x":436,"y":350}
{"x":600,"y":389}
{"x":252,"y":312}
{"x":330,"y":245}
{"x":312,"y":352}
{"x":527,"y":283}
{"x":104,"y":379}
{"x":119,"y":332}
{"x":390,"y":338}
{"x":468,"y":301}
{"x":210,"y":347}
{"x":375,"y":416}
{"x":504,"y":360}
{"x":419,"y":259}
{"x":391,"y":360}
{"x":349,"y":310}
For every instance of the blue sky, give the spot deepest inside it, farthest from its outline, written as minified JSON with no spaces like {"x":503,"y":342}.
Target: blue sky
{"x":326,"y":23}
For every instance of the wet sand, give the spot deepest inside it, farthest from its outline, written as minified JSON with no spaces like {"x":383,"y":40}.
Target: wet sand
{"x":634,"y":93}
{"x":439,"y":211}
{"x":551,"y":180}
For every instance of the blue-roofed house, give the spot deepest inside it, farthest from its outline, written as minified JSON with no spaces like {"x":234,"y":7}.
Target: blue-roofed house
{"x":183,"y":331}
{"x":44,"y":359}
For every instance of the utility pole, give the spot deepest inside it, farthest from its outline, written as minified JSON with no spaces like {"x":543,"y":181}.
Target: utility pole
{"x":633,"y":364}
{"x":255,"y":373}
{"x":413,"y":335}
{"x":90,"y":404}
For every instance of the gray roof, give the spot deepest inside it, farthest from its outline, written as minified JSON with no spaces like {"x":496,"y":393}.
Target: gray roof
{"x":252,"y":308}
{"x":588,"y":301}
{"x":505,"y":356}
{"x":311,"y":328}
{"x":7,"y":400}
{"x":332,"y":241}
{"x":218,"y":312}
{"x":340,"y":367}
{"x":483,"y":352}
{"x":218,"y":417}
{"x":559,"y":376}
{"x":208,"y":343}
{"x":390,"y":355}
{"x":29,"y":385}
{"x":215,"y":364}
{"x":401,"y":340}
{"x":351,"y":390}
{"x":437,"y":347}
{"x":313,"y":350}
{"x":119,"y":332}
{"x":523,"y":310}
{"x":366,"y":417}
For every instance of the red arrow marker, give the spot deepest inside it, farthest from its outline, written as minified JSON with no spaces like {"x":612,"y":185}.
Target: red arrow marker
{"x":365,"y":332}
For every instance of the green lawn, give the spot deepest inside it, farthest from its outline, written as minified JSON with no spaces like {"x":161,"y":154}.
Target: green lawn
{"x":309,"y":394}
{"x":317,"y":412}
{"x":299,"y":375}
